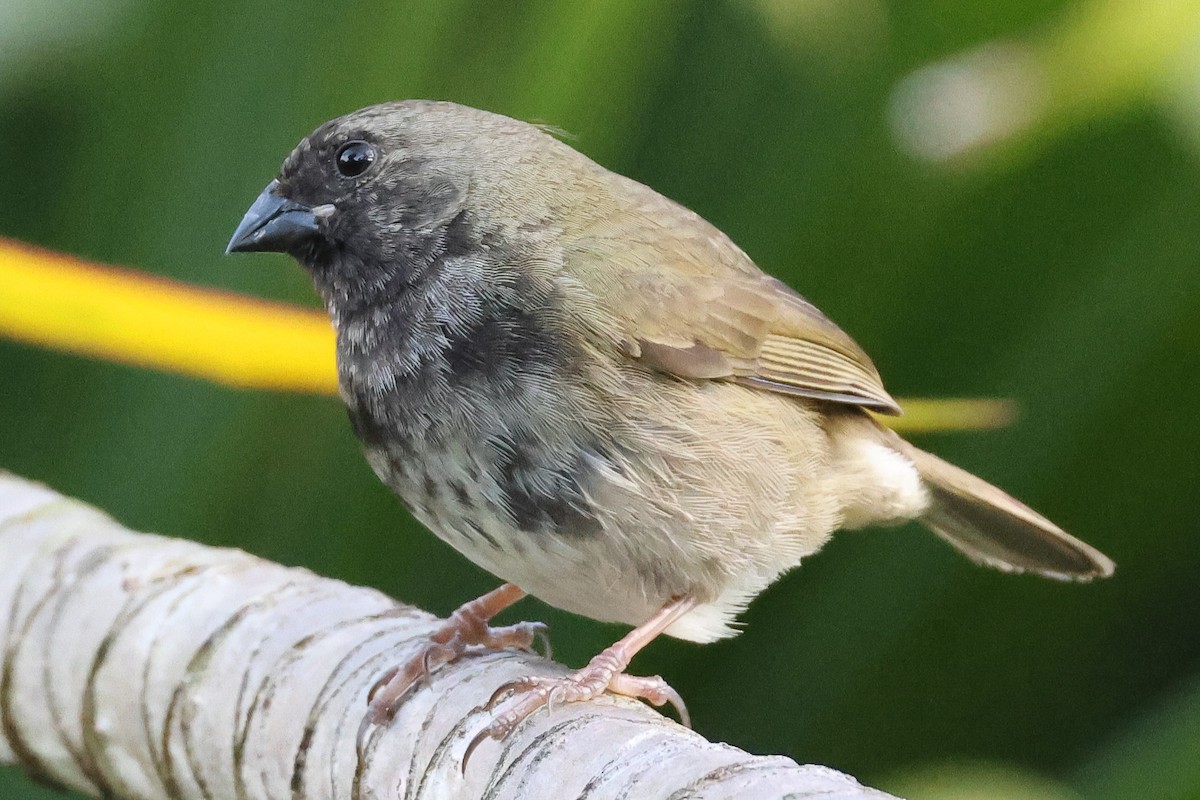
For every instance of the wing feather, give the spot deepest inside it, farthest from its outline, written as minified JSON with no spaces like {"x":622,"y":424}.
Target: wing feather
{"x":692,"y":304}
{"x":747,"y":335}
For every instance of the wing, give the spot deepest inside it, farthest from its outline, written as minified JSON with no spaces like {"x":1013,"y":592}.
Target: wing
{"x":757,"y":332}
{"x":693,"y":305}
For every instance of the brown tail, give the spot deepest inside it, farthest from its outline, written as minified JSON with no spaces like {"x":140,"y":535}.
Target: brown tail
{"x":991,"y":528}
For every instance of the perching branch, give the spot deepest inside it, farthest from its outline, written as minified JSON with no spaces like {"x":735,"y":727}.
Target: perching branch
{"x":138,"y":666}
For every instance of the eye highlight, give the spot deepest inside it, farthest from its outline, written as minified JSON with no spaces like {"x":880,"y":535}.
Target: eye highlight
{"x":354,"y":158}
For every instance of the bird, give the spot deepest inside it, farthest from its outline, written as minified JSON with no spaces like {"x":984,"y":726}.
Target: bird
{"x":592,"y":393}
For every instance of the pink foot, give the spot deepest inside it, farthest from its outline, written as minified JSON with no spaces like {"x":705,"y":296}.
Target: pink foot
{"x":525,"y":696}
{"x":466,"y":628}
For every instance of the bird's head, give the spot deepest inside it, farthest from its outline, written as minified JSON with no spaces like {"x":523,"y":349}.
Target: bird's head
{"x":369,"y":200}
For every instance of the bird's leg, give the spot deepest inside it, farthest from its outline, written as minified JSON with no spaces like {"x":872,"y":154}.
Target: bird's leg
{"x":466,"y":627}
{"x":604,"y":673}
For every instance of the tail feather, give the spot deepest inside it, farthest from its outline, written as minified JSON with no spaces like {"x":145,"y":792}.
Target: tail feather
{"x":992,"y":528}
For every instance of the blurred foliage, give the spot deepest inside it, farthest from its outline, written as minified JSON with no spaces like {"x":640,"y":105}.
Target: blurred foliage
{"x":1063,"y":275}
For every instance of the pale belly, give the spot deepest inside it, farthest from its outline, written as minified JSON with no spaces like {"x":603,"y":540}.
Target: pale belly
{"x":716,"y":515}
{"x":584,"y":572}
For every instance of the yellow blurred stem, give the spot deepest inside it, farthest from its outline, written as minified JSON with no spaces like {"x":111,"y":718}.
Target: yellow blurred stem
{"x":60,"y":302}
{"x":927,"y":415}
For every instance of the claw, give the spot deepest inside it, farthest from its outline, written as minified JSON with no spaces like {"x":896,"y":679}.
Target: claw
{"x":669,"y":695}
{"x":508,"y":688}
{"x":676,"y":701}
{"x":552,"y":696}
{"x":475,"y":742}
{"x":360,"y":740}
{"x":426,"y":669}
{"x":541,"y":632}
{"x":449,"y":650}
{"x":383,"y":681}
{"x":655,"y":691}
{"x":499,"y":729}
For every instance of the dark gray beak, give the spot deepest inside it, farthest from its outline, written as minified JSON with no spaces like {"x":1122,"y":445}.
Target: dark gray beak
{"x":273,"y":223}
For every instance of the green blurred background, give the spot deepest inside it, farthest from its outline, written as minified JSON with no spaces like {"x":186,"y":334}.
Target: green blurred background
{"x":997,"y":198}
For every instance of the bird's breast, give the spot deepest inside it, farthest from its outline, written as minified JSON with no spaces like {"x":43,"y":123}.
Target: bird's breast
{"x":482,"y":470}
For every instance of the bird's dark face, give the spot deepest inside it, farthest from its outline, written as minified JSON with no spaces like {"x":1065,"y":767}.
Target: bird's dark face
{"x":360,"y":203}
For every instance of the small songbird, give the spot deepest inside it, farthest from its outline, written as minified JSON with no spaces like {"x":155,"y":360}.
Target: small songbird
{"x":594,"y":394}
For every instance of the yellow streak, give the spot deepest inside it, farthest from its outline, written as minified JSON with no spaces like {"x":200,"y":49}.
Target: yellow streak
{"x":926,"y":415}
{"x":60,"y":302}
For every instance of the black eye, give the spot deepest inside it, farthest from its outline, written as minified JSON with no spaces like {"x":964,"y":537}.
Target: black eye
{"x":354,"y":158}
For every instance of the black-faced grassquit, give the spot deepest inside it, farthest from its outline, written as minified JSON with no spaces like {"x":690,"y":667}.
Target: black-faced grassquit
{"x":594,"y":394}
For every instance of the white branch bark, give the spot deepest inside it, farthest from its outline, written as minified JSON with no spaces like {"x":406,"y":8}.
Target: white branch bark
{"x":139,"y":666}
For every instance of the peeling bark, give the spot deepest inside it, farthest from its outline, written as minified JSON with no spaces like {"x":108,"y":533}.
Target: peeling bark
{"x":138,"y":666}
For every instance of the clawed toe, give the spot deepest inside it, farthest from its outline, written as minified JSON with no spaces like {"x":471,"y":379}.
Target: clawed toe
{"x":519,"y":699}
{"x":397,"y":682}
{"x":539,"y":634}
{"x":383,"y":681}
{"x":528,"y":696}
{"x":467,"y":627}
{"x":654,"y":690}
{"x":508,"y":689}
{"x":521,"y":636}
